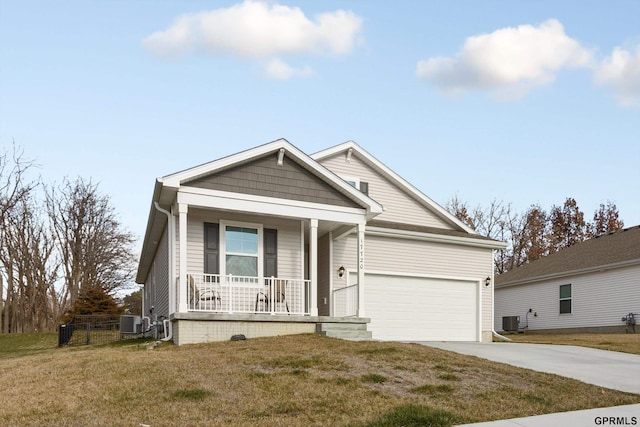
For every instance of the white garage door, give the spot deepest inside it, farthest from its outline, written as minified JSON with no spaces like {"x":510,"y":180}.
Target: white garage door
{"x":421,"y":309}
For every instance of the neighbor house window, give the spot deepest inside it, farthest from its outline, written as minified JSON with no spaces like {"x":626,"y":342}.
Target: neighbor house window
{"x":565,"y":299}
{"x":242,"y":249}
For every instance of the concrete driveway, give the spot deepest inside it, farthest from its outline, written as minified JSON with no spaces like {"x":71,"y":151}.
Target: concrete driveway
{"x":610,"y":369}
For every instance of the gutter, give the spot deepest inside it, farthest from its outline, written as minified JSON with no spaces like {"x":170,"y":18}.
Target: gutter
{"x":437,"y":238}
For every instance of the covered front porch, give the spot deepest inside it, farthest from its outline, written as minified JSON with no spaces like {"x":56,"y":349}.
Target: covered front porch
{"x":248,"y":240}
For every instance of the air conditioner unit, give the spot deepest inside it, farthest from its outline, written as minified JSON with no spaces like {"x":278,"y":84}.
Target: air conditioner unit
{"x":130,"y":324}
{"x":510,"y":323}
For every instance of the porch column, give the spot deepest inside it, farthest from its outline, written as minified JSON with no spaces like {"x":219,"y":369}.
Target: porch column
{"x":361,"y":284}
{"x":182,"y":257}
{"x":313,"y":266}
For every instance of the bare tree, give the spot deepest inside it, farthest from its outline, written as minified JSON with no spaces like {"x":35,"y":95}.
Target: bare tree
{"x":497,"y":221}
{"x":568,"y":226}
{"x":94,"y":248}
{"x":14,"y":190}
{"x":460,"y":210}
{"x":535,"y":240}
{"x":29,"y":262}
{"x":535,"y":233}
{"x":605,"y":220}
{"x":14,"y":186}
{"x":78,"y":238}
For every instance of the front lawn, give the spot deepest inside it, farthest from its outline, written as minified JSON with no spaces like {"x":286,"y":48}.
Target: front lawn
{"x":281,"y":381}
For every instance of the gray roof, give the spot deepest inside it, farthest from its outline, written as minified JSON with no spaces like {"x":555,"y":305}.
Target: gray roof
{"x":617,"y":248}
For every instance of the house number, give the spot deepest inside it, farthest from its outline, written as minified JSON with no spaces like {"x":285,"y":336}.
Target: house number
{"x":361,"y":253}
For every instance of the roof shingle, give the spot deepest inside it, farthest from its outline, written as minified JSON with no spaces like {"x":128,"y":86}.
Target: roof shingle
{"x":607,"y":249}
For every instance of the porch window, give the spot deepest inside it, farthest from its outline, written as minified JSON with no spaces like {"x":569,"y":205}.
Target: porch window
{"x":565,"y":299}
{"x":242,"y":252}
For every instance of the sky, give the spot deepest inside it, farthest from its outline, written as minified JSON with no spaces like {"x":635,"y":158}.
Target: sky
{"x":524,"y":102}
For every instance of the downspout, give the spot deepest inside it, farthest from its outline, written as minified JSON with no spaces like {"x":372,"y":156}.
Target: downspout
{"x":170,"y":254}
{"x":167,"y":326}
{"x":493,"y":303}
{"x":142,"y":316}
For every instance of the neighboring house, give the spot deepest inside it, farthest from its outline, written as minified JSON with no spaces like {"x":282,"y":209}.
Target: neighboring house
{"x":272,"y":241}
{"x":588,"y":287}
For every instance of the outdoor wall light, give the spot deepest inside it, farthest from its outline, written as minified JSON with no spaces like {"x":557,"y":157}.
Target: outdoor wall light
{"x":341,"y":271}
{"x":487,"y":281}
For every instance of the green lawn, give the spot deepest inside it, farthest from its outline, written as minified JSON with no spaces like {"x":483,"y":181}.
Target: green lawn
{"x":16,"y":345}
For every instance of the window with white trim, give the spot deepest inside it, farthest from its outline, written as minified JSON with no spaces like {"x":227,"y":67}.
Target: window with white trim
{"x":354,"y":182}
{"x":565,"y":299}
{"x":242,"y":249}
{"x":358,"y":184}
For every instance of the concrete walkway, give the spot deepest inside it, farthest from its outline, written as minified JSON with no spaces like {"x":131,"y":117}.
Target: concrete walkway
{"x":610,"y":369}
{"x":628,"y":415}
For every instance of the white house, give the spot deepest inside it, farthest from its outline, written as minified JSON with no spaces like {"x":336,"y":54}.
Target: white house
{"x":588,"y":287}
{"x":272,"y":241}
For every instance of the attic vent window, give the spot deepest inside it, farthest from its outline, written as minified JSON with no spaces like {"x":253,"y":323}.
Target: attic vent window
{"x":364,"y":187}
{"x":349,"y":153}
{"x":360,"y":185}
{"x":281,"y":157}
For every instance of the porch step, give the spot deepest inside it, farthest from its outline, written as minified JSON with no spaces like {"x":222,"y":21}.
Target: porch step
{"x":356,"y":331}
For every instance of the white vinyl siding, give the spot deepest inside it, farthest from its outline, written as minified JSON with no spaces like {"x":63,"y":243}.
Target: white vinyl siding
{"x":289,"y":257}
{"x":156,"y":288}
{"x":598,"y":299}
{"x":399,"y":205}
{"x":405,"y":256}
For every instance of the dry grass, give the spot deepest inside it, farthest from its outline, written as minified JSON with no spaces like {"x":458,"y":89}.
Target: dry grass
{"x":294,"y":380}
{"x":627,"y":343}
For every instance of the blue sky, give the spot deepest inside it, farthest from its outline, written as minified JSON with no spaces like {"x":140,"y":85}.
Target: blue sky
{"x":525,"y":102}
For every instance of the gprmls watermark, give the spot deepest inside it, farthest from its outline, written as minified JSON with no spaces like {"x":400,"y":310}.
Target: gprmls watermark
{"x":616,"y":421}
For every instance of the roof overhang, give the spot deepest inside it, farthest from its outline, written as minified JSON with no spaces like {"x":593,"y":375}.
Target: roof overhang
{"x":176,"y":180}
{"x":437,"y":238}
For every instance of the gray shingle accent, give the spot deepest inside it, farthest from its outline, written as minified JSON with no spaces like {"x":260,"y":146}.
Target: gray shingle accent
{"x":262,"y":177}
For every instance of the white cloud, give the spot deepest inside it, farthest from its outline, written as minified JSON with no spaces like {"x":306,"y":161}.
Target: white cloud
{"x":257,"y":29}
{"x":621,"y":70}
{"x":509,"y":62}
{"x":280,"y":70}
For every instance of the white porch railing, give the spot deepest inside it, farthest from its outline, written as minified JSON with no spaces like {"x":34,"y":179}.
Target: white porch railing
{"x":243,"y":294}
{"x":345,"y":301}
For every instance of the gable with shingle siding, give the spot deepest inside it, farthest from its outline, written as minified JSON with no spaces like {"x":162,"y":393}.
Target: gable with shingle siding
{"x":263,"y":177}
